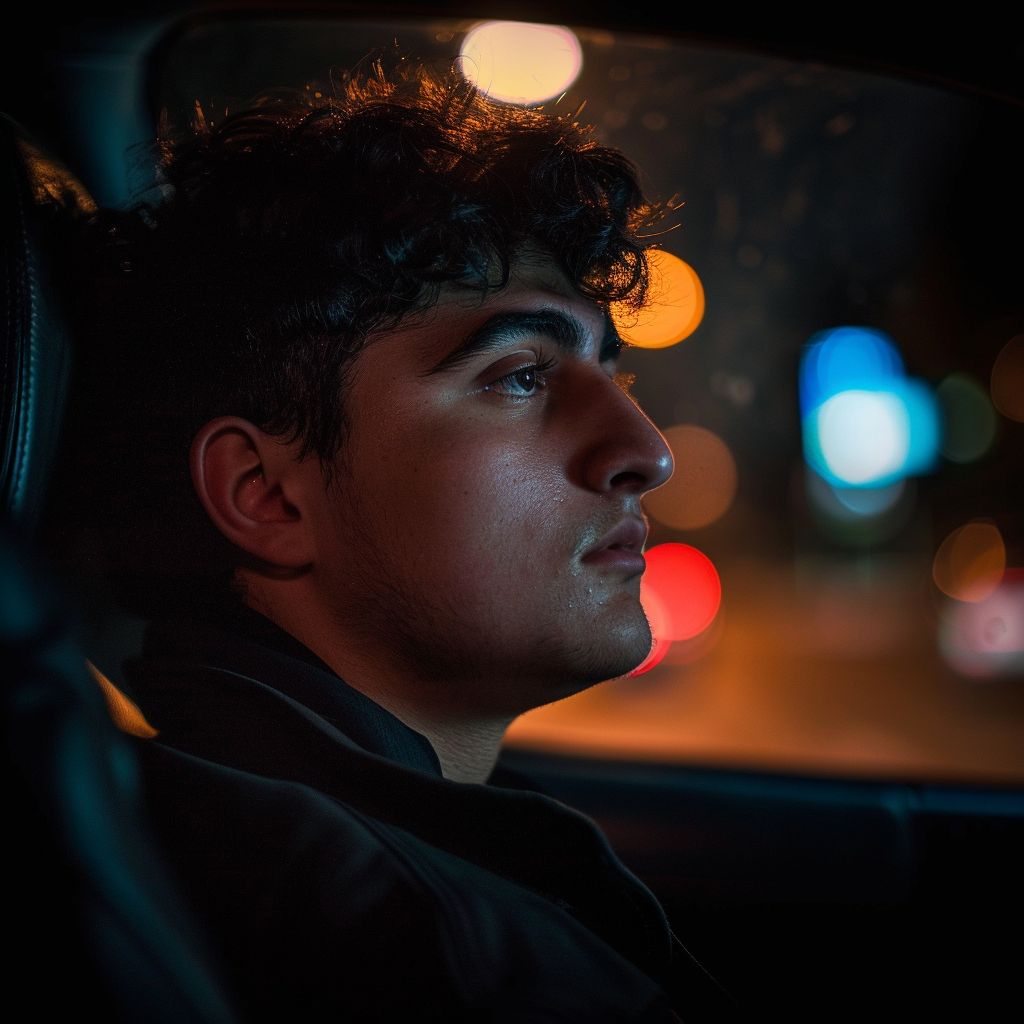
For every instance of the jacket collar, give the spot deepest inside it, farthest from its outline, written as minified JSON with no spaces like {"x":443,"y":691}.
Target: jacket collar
{"x":236,"y":638}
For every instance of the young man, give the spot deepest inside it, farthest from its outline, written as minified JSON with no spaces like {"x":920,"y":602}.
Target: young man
{"x":377,"y":483}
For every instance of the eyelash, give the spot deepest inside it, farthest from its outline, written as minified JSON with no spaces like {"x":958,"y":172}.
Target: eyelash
{"x":538,"y":369}
{"x":613,"y":351}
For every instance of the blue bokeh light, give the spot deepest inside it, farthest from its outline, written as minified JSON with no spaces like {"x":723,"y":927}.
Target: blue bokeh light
{"x":865,"y":423}
{"x":925,"y":427}
{"x":847,"y":359}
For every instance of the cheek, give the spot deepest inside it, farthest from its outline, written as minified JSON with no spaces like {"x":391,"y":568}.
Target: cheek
{"x":469,"y":514}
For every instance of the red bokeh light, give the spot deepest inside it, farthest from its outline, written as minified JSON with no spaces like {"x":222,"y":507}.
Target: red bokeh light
{"x":681,"y":589}
{"x":659,"y":648}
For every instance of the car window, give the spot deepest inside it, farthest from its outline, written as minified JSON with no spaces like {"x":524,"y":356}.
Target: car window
{"x":841,"y":381}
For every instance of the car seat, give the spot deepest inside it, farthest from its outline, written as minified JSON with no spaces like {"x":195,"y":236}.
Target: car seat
{"x":96,"y":926}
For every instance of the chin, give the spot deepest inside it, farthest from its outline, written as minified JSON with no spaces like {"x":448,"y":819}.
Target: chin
{"x":614,"y":664}
{"x":609,"y":652}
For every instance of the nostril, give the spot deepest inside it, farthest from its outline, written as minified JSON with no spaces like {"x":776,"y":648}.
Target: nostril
{"x":628,"y":480}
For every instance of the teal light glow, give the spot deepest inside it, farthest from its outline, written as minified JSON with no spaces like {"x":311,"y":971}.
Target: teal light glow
{"x":865,"y":423}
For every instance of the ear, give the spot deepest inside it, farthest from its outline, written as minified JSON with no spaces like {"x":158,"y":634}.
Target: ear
{"x":250,"y":485}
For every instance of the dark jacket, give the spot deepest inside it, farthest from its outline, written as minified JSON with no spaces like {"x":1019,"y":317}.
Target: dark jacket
{"x":342,"y":878}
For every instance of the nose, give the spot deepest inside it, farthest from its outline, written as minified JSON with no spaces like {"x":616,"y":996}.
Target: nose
{"x":623,"y":450}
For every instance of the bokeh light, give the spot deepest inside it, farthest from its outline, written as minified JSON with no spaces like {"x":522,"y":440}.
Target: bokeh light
{"x":969,"y":426}
{"x":658,"y":619}
{"x":703,"y":484}
{"x":869,"y":501}
{"x":680,"y":594}
{"x":985,"y":639}
{"x":520,"y":62}
{"x":1008,"y":380}
{"x":860,"y":516}
{"x":689,"y":652}
{"x":674,"y":307}
{"x":685,"y":584}
{"x":847,"y":359}
{"x":970,"y":562}
{"x":863,"y":436}
{"x":864,"y":423}
{"x":925,"y":427}
{"x":656,"y":612}
{"x":659,"y":649}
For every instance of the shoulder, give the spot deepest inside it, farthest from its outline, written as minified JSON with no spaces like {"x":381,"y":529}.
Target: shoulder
{"x":320,"y":907}
{"x":309,"y":910}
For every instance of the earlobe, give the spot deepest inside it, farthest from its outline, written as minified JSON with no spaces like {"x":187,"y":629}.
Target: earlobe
{"x":242,"y":478}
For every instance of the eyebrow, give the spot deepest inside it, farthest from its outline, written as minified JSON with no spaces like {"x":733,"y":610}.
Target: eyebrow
{"x":564,"y":330}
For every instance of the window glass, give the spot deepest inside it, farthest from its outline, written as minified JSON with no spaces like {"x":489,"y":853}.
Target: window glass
{"x":846,"y":414}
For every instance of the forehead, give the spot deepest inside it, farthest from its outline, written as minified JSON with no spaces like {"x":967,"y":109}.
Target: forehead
{"x":534,"y":285}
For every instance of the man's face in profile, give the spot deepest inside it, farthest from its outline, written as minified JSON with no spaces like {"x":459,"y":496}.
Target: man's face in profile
{"x":484,"y":525}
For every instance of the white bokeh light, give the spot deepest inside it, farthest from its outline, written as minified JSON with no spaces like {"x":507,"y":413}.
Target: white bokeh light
{"x":864,"y":435}
{"x":520,"y":62}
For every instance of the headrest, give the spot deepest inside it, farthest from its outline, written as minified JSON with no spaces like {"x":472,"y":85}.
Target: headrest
{"x":39,"y":202}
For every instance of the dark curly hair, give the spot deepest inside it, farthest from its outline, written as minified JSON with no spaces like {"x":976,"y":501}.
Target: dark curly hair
{"x":284,"y":237}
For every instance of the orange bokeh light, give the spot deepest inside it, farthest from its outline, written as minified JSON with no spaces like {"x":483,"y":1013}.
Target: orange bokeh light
{"x":682,"y":590}
{"x":704,"y":482}
{"x":674,"y":306}
{"x":970,"y":562}
{"x":1008,"y":380}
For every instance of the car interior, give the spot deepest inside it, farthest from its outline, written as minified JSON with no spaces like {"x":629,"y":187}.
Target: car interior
{"x":822,"y":781}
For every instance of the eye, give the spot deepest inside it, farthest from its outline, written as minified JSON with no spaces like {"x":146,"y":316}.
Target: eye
{"x":522,"y":383}
{"x":612,"y":350}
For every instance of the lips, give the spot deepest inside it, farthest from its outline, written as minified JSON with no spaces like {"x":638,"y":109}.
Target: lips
{"x":620,"y":548}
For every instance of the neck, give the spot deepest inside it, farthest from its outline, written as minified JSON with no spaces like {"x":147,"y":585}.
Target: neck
{"x":467,"y":745}
{"x":467,"y":750}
